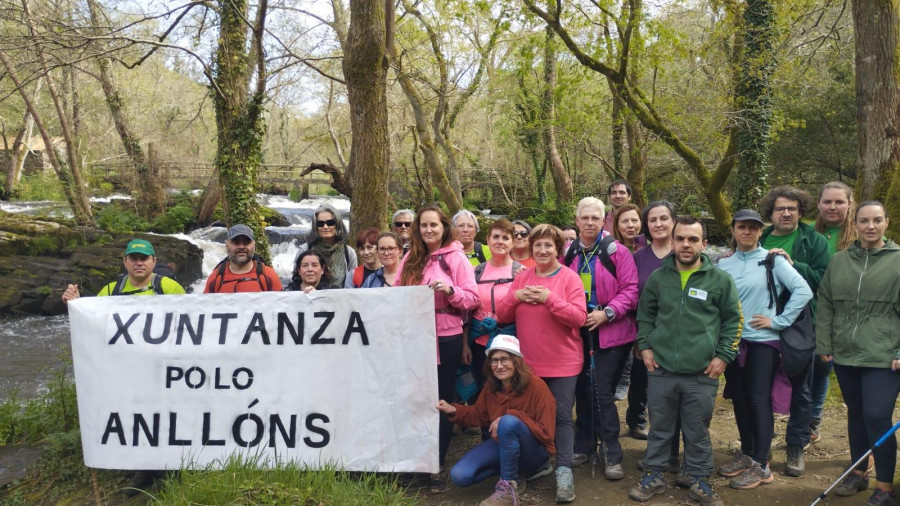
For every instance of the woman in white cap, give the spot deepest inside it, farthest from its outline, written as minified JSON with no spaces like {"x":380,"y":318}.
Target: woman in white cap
{"x":520,"y":411}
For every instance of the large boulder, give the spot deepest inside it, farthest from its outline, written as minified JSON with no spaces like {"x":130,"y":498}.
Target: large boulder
{"x":39,"y":257}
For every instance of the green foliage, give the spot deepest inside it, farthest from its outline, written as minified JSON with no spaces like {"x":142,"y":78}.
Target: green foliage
{"x":104,"y":189}
{"x":44,"y":186}
{"x":243,"y":481}
{"x":115,"y":218}
{"x":43,"y":245}
{"x":174,"y":220}
{"x":54,"y":412}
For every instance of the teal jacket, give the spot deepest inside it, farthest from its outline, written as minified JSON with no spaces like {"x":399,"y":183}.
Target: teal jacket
{"x":859,"y":307}
{"x":687,"y":328}
{"x":810,"y":255}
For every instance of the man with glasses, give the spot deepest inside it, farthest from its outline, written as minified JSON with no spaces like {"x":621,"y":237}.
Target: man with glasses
{"x":807,"y":250}
{"x":618,"y":194}
{"x":401,"y":224}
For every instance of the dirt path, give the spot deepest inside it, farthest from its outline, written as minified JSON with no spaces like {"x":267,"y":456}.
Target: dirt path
{"x":825,"y":461}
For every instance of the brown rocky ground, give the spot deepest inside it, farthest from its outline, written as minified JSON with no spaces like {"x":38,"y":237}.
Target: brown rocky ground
{"x":825,"y":461}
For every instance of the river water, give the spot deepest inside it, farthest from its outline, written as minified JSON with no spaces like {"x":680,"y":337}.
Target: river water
{"x":33,"y":348}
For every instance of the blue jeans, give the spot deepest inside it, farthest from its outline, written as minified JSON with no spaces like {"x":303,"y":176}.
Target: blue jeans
{"x":515,"y":449}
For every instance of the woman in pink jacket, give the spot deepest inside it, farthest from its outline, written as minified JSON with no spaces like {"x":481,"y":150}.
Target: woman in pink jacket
{"x":437,"y":260}
{"x":610,"y":280}
{"x":547,"y":302}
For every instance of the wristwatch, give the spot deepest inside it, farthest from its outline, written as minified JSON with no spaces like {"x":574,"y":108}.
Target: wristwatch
{"x":610,"y":314}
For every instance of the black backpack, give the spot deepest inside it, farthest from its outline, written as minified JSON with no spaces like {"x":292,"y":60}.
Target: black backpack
{"x":798,"y":341}
{"x":260,"y":276}
{"x":605,"y":258}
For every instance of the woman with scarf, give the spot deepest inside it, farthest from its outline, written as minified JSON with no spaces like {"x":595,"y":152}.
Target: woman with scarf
{"x":329,"y":237}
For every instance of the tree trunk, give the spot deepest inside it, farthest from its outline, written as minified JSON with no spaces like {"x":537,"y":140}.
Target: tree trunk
{"x":365,"y":68}
{"x":876,"y":27}
{"x":561,"y":180}
{"x":637,"y":160}
{"x":239,"y":111}
{"x":151,"y":196}
{"x":19,"y":149}
{"x":212,"y":194}
{"x":754,"y":104}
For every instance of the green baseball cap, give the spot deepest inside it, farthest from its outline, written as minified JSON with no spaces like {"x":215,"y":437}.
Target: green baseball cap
{"x":140,"y":247}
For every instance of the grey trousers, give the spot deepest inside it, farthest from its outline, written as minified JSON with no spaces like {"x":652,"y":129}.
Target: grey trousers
{"x":563,"y":390}
{"x":693,"y":396}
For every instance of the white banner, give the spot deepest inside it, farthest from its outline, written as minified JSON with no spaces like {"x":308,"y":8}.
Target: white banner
{"x":339,"y":377}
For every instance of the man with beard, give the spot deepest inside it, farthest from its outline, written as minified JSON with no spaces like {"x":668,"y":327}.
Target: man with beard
{"x":689,"y":326}
{"x":242,"y":271}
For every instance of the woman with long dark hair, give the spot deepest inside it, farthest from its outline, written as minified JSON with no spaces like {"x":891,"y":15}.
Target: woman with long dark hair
{"x":437,"y":260}
{"x":310,"y":273}
{"x":856,"y":329}
{"x":520,"y":413}
{"x":329,"y":237}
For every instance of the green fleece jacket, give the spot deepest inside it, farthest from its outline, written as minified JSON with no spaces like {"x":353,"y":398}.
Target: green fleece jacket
{"x":810,"y":255}
{"x":859,"y":307}
{"x":687,"y":328}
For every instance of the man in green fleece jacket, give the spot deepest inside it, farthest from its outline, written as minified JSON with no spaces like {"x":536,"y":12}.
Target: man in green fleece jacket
{"x":689,"y":325}
{"x":807,"y":251}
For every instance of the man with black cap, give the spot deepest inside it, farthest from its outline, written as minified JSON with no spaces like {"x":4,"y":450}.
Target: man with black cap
{"x":242,"y":271}
{"x":139,"y":260}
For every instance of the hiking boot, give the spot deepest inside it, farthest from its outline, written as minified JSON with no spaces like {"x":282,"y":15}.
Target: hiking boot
{"x":881,"y":498}
{"x":794,"y":465}
{"x":612,"y":472}
{"x":579,"y":459}
{"x":621,"y":391}
{"x":650,"y":484}
{"x":853,"y":483}
{"x":683,"y":479}
{"x":640,"y":432}
{"x":701,"y":491}
{"x":752,"y":477}
{"x":439,"y":482}
{"x":544,"y":470}
{"x":735,"y":466}
{"x":565,"y":485}
{"x":814,"y":434}
{"x":504,"y":494}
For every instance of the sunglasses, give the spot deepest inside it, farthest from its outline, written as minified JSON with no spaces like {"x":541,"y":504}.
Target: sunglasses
{"x":326,"y":223}
{"x":521,"y":235}
{"x":402,"y":224}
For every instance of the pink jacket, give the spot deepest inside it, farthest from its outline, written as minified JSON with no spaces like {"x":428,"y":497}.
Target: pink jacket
{"x":619,"y":294}
{"x":450,"y":265}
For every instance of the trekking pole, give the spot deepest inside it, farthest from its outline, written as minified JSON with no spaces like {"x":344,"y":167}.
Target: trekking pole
{"x":595,"y":404}
{"x":865,"y":456}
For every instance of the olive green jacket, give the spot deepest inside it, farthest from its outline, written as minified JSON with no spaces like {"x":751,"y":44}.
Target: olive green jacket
{"x":858,"y":321}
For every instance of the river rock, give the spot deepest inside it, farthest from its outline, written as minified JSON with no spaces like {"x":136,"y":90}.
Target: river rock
{"x":40,"y":256}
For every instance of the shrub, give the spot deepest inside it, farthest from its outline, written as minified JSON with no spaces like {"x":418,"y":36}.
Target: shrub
{"x":174,"y":220}
{"x":39,"y":187}
{"x":115,"y":218}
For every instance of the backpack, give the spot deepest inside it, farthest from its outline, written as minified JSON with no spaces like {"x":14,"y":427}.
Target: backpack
{"x":358,"y":273}
{"x":479,"y":271}
{"x":605,"y":257}
{"x":798,"y":341}
{"x":260,"y":276}
{"x":155,"y":283}
{"x":478,"y":253}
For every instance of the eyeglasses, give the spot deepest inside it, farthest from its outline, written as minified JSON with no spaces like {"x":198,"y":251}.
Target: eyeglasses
{"x":505,"y":361}
{"x":326,"y":223}
{"x":388,"y":250}
{"x":402,"y":224}
{"x":521,"y":235}
{"x":789,"y":209}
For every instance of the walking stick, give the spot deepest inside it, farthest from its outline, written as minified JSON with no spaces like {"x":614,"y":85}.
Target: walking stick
{"x":865,"y":456}
{"x":595,"y":403}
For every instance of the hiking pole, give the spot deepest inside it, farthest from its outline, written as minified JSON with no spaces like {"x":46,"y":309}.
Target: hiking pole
{"x":865,"y":456}
{"x":595,"y":403}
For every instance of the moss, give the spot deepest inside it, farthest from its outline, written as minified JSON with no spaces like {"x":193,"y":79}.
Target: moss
{"x":44,"y":291}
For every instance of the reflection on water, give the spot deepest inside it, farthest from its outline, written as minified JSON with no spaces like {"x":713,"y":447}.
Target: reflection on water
{"x":31,"y":351}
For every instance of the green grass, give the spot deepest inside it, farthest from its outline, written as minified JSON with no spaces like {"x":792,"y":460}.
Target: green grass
{"x":242,"y":482}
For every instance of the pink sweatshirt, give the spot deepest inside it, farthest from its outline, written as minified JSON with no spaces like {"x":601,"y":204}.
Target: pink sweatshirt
{"x":548,"y":332}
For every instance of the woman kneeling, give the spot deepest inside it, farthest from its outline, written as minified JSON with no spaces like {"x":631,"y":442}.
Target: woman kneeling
{"x":521,"y":414}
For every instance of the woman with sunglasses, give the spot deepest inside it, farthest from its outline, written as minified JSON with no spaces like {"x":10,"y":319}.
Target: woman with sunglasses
{"x":328,"y":237}
{"x":436,"y":259}
{"x":521,"y":249}
{"x":366,"y":246}
{"x":520,"y":413}
{"x":389,"y":251}
{"x":547,"y":304}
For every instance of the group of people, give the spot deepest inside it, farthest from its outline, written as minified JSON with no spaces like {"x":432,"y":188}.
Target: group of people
{"x":552,"y":319}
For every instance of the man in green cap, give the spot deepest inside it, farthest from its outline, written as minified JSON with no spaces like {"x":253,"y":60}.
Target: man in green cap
{"x":139,"y":261}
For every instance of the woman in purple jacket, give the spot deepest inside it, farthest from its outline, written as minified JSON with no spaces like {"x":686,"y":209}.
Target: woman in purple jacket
{"x":612,"y":294}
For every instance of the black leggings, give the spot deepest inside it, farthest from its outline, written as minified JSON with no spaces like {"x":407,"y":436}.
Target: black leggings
{"x":870,"y":394}
{"x":450,"y":348}
{"x":751,"y":390}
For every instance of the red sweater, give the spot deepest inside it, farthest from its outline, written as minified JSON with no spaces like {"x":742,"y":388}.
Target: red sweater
{"x":536,"y":407}
{"x":549,"y":333}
